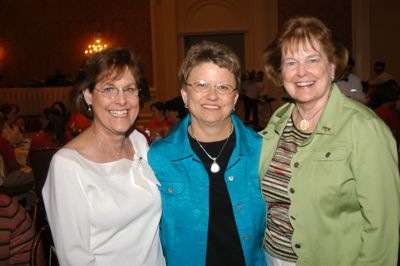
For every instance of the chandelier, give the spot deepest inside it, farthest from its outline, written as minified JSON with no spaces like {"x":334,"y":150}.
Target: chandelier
{"x":95,"y":47}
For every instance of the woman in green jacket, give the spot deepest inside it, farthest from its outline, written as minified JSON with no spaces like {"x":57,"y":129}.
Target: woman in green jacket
{"x":329,"y":169}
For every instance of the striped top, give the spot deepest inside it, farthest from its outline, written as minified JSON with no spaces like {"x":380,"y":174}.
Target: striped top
{"x":275,"y":192}
{"x":16,"y":232}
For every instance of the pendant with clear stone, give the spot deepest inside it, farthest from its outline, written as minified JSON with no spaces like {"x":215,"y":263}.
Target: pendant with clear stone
{"x":215,"y":167}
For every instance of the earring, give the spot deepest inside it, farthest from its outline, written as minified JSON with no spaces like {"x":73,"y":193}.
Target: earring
{"x":333,"y":77}
{"x":89,"y":108}
{"x":186,"y":105}
{"x":233,"y":109}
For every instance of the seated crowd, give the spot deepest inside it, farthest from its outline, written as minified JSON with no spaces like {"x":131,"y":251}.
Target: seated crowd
{"x":165,"y":115}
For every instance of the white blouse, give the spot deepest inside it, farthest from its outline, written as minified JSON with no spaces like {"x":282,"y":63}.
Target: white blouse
{"x":104,"y":213}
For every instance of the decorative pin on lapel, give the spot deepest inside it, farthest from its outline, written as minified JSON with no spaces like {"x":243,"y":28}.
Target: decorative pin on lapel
{"x":326,"y":129}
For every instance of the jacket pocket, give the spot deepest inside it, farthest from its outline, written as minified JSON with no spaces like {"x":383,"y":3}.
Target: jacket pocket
{"x":172,"y":188}
{"x":176,"y":204}
{"x":331,"y":154}
{"x":330,"y":180}
{"x":331,"y":164}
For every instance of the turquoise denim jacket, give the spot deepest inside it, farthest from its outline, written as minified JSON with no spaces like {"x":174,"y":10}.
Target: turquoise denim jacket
{"x":185,"y":196}
{"x":345,"y":186}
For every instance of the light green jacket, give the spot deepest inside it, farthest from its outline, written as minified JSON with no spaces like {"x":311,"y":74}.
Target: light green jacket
{"x":345,"y":186}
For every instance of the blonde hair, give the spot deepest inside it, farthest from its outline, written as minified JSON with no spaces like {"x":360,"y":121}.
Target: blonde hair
{"x":213,"y":52}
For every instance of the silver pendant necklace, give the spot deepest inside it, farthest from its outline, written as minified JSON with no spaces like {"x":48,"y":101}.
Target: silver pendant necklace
{"x":215,"y":168}
{"x":104,"y":148}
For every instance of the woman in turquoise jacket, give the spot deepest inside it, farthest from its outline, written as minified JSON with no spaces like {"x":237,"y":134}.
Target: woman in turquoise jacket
{"x":213,"y":211}
{"x":329,"y":165}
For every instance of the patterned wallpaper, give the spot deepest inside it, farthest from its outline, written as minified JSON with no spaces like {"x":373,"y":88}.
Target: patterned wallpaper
{"x":39,"y":37}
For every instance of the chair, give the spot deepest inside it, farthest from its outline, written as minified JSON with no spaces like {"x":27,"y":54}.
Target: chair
{"x":43,"y":251}
{"x":2,"y":171}
{"x":40,"y":162}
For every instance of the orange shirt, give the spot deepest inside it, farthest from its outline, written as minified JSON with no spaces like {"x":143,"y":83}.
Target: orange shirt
{"x":77,"y":123}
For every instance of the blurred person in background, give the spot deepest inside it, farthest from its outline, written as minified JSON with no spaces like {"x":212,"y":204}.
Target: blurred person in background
{"x":175,"y":110}
{"x":385,"y":95}
{"x":349,"y":84}
{"x":17,"y":232}
{"x":157,"y":126}
{"x":251,"y":91}
{"x":60,"y":106}
{"x":20,"y":123}
{"x":16,"y":174}
{"x":11,"y":131}
{"x":380,"y":74}
{"x":53,"y":133}
{"x":77,"y":123}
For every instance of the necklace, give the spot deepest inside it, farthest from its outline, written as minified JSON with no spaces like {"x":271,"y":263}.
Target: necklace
{"x":305,"y":123}
{"x":104,"y":148}
{"x":214,"y":166}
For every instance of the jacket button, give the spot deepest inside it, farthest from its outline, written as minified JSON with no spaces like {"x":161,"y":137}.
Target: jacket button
{"x":246,"y":237}
{"x":170,"y":190}
{"x":327,"y":154}
{"x":230,"y":178}
{"x":297,"y":245}
{"x":238,"y":206}
{"x":296,"y":164}
{"x":291,"y":190}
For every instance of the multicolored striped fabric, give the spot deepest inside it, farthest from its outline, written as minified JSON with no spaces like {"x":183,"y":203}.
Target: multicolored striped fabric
{"x":275,"y":192}
{"x":16,"y":232}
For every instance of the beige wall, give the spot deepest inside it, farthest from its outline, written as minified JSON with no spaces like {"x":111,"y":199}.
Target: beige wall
{"x":172,"y":19}
{"x":257,"y":19}
{"x":385,"y":34}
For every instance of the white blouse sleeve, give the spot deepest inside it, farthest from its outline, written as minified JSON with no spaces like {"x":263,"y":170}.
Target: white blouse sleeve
{"x":68,"y":210}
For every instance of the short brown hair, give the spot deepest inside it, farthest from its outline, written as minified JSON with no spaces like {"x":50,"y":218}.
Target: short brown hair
{"x":111,"y":62}
{"x":206,"y":51}
{"x":302,"y":30}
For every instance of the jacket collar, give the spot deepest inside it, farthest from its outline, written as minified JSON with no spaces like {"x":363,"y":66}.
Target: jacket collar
{"x":326,"y":124}
{"x":278,"y":121}
{"x":328,"y":121}
{"x":183,"y":149}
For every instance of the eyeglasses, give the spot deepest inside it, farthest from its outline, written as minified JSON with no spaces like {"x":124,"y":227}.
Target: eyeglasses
{"x":204,"y":86}
{"x":112,"y":92}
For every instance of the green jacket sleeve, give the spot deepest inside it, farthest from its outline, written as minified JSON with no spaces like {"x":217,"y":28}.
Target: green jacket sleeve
{"x":375,"y":167}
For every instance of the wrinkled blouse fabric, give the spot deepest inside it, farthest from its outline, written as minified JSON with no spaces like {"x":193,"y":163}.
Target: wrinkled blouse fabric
{"x":104,"y":213}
